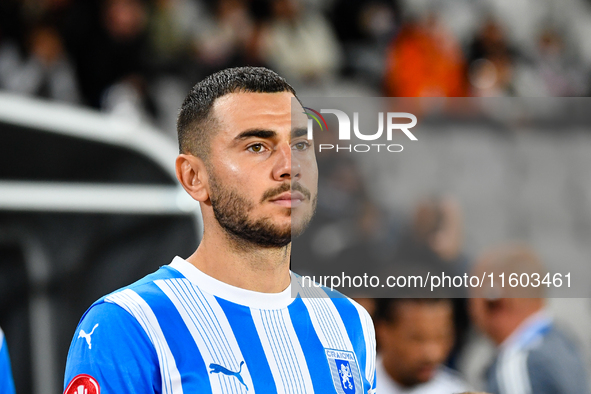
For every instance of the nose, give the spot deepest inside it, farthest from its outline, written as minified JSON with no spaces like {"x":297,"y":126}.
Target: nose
{"x":286,"y":166}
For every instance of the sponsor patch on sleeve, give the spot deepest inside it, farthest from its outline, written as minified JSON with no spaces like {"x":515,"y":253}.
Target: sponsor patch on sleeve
{"x":83,"y":384}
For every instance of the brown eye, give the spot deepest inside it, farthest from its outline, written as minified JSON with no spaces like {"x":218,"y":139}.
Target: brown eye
{"x":301,"y":146}
{"x":256,"y":148}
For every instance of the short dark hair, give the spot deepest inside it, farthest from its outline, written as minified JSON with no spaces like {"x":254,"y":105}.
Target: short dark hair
{"x":196,"y":122}
{"x":387,"y":308}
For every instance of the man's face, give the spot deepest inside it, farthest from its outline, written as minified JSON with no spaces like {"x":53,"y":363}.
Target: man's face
{"x":262,"y":168}
{"x":417,"y":342}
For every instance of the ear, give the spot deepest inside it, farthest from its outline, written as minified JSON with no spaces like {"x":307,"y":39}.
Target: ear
{"x":192,"y":174}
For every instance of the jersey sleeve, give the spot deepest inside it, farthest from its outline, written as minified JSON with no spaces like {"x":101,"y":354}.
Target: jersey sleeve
{"x":6,"y":381}
{"x":370,"y":334}
{"x":369,"y":340}
{"x":112,"y":350}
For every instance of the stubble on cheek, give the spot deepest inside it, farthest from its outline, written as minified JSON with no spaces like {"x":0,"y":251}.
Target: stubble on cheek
{"x":232,"y":211}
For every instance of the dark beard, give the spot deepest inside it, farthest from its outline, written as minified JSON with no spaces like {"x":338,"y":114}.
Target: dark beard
{"x":231,"y":211}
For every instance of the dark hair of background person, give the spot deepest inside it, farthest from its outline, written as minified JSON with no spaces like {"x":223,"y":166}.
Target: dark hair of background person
{"x":386,"y":307}
{"x":195,"y":122}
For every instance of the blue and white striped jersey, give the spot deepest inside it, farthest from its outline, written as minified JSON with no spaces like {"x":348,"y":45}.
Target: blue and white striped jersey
{"x":180,"y":330}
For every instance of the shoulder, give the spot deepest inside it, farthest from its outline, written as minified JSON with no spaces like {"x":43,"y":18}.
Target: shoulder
{"x":120,"y":309}
{"x":353,"y":311}
{"x":555,"y":361}
{"x":115,"y":338}
{"x":334,"y":311}
{"x":554,"y":349}
{"x":112,"y":347}
{"x":143,"y":291}
{"x":105,"y":325}
{"x":146,"y":283}
{"x":449,"y":380}
{"x":133,"y":305}
{"x":348,"y":309}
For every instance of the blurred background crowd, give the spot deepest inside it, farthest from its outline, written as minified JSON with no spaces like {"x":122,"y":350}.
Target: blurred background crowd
{"x":138,"y":57}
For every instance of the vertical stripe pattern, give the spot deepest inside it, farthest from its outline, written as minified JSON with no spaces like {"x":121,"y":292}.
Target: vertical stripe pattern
{"x":184,"y":331}
{"x":283,"y":351}
{"x":512,"y":374}
{"x":370,"y":342}
{"x":240,"y":319}
{"x":138,"y":308}
{"x":212,"y":334}
{"x":331,"y":329}
{"x":326,"y":320}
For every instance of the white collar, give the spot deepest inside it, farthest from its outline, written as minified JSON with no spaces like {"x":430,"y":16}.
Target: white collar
{"x":442,"y":382}
{"x":385,"y":383}
{"x":237,"y":295}
{"x":531,"y":328}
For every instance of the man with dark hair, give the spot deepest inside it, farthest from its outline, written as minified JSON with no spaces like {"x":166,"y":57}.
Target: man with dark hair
{"x":415,"y":337}
{"x":225,"y":320}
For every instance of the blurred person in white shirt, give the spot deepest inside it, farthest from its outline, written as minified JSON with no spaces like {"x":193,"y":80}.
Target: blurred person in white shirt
{"x":300,"y":43}
{"x":415,"y":337}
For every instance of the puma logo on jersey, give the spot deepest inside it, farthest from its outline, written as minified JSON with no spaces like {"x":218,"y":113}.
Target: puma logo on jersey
{"x":216,"y":368}
{"x":86,"y":336}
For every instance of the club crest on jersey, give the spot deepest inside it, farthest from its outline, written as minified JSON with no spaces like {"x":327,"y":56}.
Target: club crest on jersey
{"x":344,"y":371}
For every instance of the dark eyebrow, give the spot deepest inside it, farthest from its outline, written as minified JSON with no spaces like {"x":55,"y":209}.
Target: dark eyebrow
{"x":257,"y":133}
{"x":295,"y":133}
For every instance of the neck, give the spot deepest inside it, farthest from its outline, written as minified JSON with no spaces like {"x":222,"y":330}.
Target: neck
{"x":242,"y":264}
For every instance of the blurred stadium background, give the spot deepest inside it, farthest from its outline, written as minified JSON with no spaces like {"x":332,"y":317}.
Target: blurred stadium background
{"x":90,"y":91}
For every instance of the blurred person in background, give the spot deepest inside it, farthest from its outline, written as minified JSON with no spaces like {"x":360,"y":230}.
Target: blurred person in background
{"x":112,"y":63}
{"x":6,"y":382}
{"x":433,"y":242}
{"x":226,"y":37}
{"x":45,"y":69}
{"x":491,"y":59}
{"x":414,"y":338}
{"x":534,"y":355}
{"x":365,"y":29}
{"x":435,"y":235}
{"x":558,"y":68}
{"x":299,"y":43}
{"x":425,"y":60}
{"x":171,"y":28}
{"x":549,"y":68}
